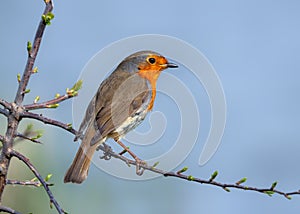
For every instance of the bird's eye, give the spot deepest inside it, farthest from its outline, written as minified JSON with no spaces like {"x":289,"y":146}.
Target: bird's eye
{"x":151,"y":60}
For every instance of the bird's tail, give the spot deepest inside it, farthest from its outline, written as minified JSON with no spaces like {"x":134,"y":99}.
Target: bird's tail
{"x":79,"y":168}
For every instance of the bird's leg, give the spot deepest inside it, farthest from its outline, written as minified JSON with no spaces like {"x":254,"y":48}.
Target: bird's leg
{"x":139,"y":162}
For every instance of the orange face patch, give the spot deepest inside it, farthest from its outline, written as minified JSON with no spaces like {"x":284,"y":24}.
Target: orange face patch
{"x":151,"y":70}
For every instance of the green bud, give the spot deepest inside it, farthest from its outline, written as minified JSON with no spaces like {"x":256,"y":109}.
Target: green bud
{"x":47,"y":178}
{"x":19,"y":77}
{"x":39,"y":135}
{"x":190,"y":178}
{"x":184,"y":169}
{"x":269,"y":192}
{"x":35,"y":70}
{"x":29,"y":46}
{"x":243,"y":180}
{"x":52,"y":105}
{"x":155,"y":164}
{"x":288,"y":197}
{"x":226,"y":189}
{"x":213,"y":176}
{"x":47,"y":18}
{"x":273,"y":185}
{"x":34,"y":179}
{"x":37,"y":98}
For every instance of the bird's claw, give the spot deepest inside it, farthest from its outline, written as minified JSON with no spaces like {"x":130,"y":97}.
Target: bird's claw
{"x":79,"y":135}
{"x":140,"y":166}
{"x":106,"y":152}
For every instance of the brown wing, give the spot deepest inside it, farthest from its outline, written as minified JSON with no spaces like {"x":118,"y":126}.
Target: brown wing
{"x":121,"y":95}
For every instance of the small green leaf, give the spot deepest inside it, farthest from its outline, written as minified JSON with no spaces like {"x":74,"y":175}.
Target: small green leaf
{"x":190,"y":178}
{"x":69,"y":125}
{"x":77,"y":86}
{"x":52,"y":105}
{"x":37,"y":98}
{"x":269,"y":192}
{"x":19,"y":77}
{"x":273,"y":185}
{"x":47,"y":18}
{"x":39,"y":135}
{"x":29,"y":46}
{"x":184,"y":169}
{"x":243,"y":180}
{"x":213,"y":176}
{"x":74,"y":90}
{"x":51,"y":205}
{"x":57,"y":95}
{"x":27,"y":91}
{"x":48,"y":177}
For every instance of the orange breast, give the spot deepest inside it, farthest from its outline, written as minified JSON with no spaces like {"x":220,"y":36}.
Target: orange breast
{"x":151,"y":76}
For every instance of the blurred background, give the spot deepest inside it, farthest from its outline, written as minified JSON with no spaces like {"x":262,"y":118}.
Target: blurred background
{"x":253,"y":45}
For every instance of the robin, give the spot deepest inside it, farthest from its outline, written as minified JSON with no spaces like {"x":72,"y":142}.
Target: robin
{"x":120,"y":104}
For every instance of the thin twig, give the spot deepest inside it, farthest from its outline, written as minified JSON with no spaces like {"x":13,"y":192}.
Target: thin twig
{"x":5,"y":104}
{"x":270,"y":190}
{"x":39,"y":177}
{"x":48,"y":103}
{"x":4,"y":112}
{"x":49,"y":121}
{"x":28,"y":138}
{"x":27,"y":183}
{"x":32,"y":56}
{"x":8,"y":210}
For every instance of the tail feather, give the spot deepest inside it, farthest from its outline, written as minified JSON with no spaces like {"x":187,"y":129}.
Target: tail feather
{"x":78,"y":171}
{"x":79,"y":168}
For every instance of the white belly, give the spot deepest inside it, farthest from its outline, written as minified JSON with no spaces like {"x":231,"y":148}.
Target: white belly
{"x":132,"y":121}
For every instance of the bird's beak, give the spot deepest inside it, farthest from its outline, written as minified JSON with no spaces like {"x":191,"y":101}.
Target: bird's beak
{"x":172,"y":65}
{"x":169,"y":65}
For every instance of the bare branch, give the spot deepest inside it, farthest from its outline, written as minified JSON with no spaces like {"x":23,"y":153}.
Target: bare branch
{"x":4,"y":112}
{"x":49,"y":121}
{"x":39,"y":177}
{"x":108,"y":153}
{"x":5,"y":104}
{"x":8,"y":210}
{"x":27,"y":183}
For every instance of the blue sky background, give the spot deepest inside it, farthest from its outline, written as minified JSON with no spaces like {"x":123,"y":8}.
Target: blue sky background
{"x":254,"y":47}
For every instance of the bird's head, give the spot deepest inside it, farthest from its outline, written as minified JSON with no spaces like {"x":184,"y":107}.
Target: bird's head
{"x":147,"y":64}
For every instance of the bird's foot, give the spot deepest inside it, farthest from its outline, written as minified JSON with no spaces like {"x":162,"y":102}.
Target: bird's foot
{"x":106,"y":152}
{"x":78,"y":135}
{"x":140,"y":164}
